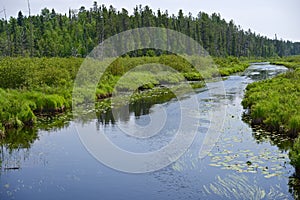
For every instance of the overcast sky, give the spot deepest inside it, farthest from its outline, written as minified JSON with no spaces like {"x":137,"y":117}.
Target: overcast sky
{"x":266,"y":17}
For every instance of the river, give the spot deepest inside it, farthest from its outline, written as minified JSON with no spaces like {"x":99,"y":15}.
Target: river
{"x":244,"y":163}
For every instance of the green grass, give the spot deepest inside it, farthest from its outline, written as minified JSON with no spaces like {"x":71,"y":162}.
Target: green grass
{"x":294,"y":156}
{"x":290,"y":62}
{"x":275,"y":103}
{"x":20,"y":108}
{"x":34,"y":87}
{"x":230,"y":65}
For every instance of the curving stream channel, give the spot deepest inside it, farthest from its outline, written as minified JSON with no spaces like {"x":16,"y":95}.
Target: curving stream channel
{"x":245,"y":162}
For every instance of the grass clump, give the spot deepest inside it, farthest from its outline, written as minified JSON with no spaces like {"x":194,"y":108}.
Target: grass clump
{"x":275,"y":103}
{"x":294,"y":156}
{"x":230,"y":65}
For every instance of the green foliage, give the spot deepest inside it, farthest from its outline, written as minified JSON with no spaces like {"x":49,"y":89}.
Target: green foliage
{"x":294,"y":153}
{"x":290,"y":61}
{"x":60,"y":35}
{"x":276,"y":102}
{"x":230,"y":65}
{"x":20,"y":108}
{"x":33,"y":73}
{"x":30,"y":87}
{"x":294,"y":124}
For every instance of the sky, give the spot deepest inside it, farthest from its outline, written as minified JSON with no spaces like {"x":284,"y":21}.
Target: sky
{"x":264,"y":17}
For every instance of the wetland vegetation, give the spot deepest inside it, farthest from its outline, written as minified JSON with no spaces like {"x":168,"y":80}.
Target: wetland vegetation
{"x":275,"y":105}
{"x":32,"y":88}
{"x":37,"y":74}
{"x":275,"y":102}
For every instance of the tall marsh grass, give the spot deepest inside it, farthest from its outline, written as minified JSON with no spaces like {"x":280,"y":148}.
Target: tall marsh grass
{"x":31,"y":87}
{"x":275,"y":103}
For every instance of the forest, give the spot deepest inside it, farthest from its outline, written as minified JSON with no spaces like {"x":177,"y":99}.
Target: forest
{"x":51,"y":34}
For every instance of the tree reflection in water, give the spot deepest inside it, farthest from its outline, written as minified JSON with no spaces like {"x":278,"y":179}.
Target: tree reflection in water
{"x":16,"y":144}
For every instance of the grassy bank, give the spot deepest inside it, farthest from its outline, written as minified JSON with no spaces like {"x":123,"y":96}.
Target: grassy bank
{"x":292,"y":62}
{"x":275,"y":103}
{"x":31,"y":88}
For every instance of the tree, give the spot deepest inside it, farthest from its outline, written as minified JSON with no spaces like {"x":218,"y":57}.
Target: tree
{"x":76,"y":34}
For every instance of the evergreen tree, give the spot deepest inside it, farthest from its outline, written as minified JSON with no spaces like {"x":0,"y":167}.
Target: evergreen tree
{"x":76,"y":34}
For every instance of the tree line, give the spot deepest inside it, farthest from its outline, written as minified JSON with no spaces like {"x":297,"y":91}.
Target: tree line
{"x":78,"y":32}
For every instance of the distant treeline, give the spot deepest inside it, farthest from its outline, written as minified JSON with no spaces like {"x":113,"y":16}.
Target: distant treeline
{"x":78,"y":32}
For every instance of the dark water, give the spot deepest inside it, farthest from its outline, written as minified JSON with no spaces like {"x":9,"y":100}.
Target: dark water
{"x":245,"y":163}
